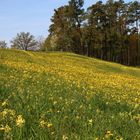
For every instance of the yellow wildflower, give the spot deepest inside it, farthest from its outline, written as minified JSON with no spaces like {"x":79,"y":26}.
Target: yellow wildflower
{"x":43,"y":123}
{"x":77,"y":117}
{"x":4,"y":113}
{"x":90,"y":122}
{"x":108,"y":134}
{"x":64,"y":137}
{"x":49,"y":125}
{"x":2,"y":128}
{"x":7,"y":129}
{"x":20,"y":121}
{"x":4,"y":103}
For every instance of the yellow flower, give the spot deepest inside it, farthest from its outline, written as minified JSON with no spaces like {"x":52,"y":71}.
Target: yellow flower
{"x":4,"y":113}
{"x":4,"y":103}
{"x":78,"y":117}
{"x":64,"y":137}
{"x":108,"y":134}
{"x":49,"y":125}
{"x":55,"y":102}
{"x":20,"y":121}
{"x":119,"y":138}
{"x":90,"y":122}
{"x":7,"y":129}
{"x":7,"y":112}
{"x":52,"y":133}
{"x":43,"y":123}
{"x":2,"y":128}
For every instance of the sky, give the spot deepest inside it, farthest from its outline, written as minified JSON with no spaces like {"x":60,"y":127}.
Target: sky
{"x":29,"y":16}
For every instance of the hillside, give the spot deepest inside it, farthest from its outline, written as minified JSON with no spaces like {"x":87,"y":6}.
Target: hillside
{"x":62,"y":96}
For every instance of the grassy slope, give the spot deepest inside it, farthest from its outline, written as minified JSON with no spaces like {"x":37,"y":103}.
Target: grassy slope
{"x":63,"y":95}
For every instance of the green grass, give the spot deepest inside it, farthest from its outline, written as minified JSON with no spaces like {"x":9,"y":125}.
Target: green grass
{"x":64,"y":96}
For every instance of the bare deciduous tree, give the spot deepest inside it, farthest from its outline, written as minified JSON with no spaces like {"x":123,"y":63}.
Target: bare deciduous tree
{"x":3,"y":44}
{"x":23,"y":41}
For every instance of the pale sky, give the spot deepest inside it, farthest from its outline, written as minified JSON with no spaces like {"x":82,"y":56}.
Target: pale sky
{"x":29,"y":16}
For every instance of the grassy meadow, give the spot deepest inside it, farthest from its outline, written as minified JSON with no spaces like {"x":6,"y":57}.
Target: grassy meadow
{"x":64,"y":96}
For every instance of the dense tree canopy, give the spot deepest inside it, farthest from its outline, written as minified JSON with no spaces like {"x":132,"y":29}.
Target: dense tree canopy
{"x":109,"y":31}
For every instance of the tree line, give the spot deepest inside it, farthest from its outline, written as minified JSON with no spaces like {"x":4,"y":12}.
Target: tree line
{"x":108,"y":31}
